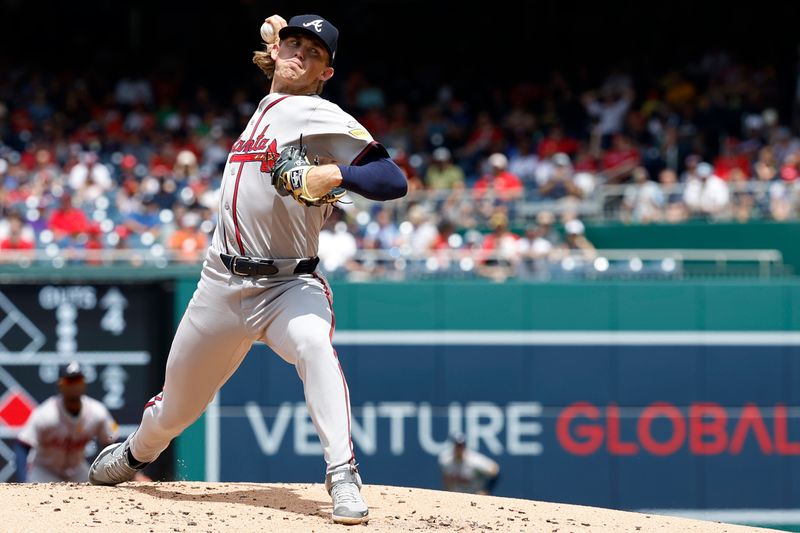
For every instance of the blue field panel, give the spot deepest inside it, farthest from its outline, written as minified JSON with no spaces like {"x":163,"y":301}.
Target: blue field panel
{"x":628,"y":426}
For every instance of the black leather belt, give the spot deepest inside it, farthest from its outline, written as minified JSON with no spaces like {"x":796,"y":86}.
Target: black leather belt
{"x":253,"y":266}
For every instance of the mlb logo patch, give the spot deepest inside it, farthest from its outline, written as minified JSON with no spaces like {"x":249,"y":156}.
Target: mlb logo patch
{"x":296,"y":178}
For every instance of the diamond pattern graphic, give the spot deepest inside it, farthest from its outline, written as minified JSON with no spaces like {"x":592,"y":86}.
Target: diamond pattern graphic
{"x":15,"y":408}
{"x":12,"y":319}
{"x":16,"y":405}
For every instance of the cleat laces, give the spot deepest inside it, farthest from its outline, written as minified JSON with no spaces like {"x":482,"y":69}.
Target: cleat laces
{"x":345,"y":493}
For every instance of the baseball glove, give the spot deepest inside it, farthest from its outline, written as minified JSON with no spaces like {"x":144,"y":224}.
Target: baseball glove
{"x":290,"y":174}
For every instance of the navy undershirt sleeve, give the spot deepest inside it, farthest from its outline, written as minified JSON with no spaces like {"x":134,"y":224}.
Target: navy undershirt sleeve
{"x":380,"y":180}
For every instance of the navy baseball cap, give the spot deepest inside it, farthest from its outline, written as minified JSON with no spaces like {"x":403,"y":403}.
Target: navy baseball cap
{"x":71,"y":370}
{"x":313,"y":26}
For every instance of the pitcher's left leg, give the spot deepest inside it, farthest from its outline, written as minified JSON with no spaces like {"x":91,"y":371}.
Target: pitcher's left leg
{"x":300,"y":331}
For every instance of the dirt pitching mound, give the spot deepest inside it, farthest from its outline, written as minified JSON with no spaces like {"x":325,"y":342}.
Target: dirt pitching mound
{"x":197,"y":507}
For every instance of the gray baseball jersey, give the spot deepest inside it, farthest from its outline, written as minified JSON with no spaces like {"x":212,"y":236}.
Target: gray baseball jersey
{"x":469,"y":474}
{"x":254,"y":219}
{"x":58,"y":439}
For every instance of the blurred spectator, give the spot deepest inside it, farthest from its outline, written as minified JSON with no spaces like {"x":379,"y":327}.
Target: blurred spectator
{"x":620,"y":160}
{"x":520,"y":121}
{"x":546,"y":221}
{"x":730,"y":159}
{"x":575,"y":241}
{"x":369,"y":96}
{"x":706,"y":195}
{"x":534,"y":250}
{"x":556,"y":142}
{"x":119,"y":239}
{"x":67,"y":220}
{"x":742,"y":200}
{"x":765,"y":172}
{"x":186,"y":169}
{"x":560,"y":183}
{"x":459,"y":206}
{"x":423,"y":230}
{"x":484,"y":137}
{"x":781,"y":193}
{"x":784,"y":143}
{"x":147,"y":221}
{"x":46,"y":174}
{"x":442,"y":173}
{"x":92,"y":241}
{"x":674,"y":209}
{"x":522,"y":162}
{"x":679,"y":91}
{"x":446,"y":237}
{"x":165,"y":191}
{"x":608,"y":108}
{"x":753,"y":135}
{"x":766,"y":164}
{"x":15,"y":236}
{"x":188,"y":241}
{"x":465,"y":470}
{"x":90,"y":178}
{"x":643,"y":200}
{"x":383,"y":233}
{"x":499,"y":251}
{"x":690,"y":167}
{"x":399,"y":129}
{"x":40,"y":110}
{"x":498,"y":182}
{"x":337,"y":246}
{"x":412,"y":177}
{"x":130,"y":92}
{"x":790,"y":170}
{"x":671,"y":151}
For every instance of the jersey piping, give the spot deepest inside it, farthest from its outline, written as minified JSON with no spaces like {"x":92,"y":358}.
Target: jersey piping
{"x":239,"y":175}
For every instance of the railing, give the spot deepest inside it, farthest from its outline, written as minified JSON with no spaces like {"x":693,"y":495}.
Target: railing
{"x":714,"y":262}
{"x":155,"y":256}
{"x":595,"y":264}
{"x":604,"y":203}
{"x":401,"y":264}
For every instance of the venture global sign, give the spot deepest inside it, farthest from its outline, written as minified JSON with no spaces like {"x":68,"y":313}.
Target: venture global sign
{"x":508,"y":429}
{"x":520,"y":428}
{"x":702,"y":428}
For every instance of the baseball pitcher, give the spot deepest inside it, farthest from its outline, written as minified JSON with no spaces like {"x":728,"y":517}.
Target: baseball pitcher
{"x":297,"y":156}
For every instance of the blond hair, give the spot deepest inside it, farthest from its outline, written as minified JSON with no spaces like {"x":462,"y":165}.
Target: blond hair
{"x":263,"y":60}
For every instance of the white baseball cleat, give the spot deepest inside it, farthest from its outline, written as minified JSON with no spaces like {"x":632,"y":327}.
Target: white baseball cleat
{"x":112,"y":466}
{"x":344,"y":486}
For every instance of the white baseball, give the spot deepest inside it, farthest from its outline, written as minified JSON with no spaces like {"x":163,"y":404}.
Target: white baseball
{"x":267,"y":33}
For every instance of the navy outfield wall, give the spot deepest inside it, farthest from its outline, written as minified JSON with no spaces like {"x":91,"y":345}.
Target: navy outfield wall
{"x":629,"y":395}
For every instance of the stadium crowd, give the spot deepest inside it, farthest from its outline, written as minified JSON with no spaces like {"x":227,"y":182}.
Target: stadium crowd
{"x":513,"y":174}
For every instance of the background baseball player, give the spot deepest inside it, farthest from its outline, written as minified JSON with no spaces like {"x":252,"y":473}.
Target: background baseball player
{"x":465,"y":470}
{"x":59,"y":429}
{"x":259,"y":279}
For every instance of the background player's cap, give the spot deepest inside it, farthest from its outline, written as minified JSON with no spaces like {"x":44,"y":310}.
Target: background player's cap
{"x":459,"y":439}
{"x":313,"y":26}
{"x":71,"y":370}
